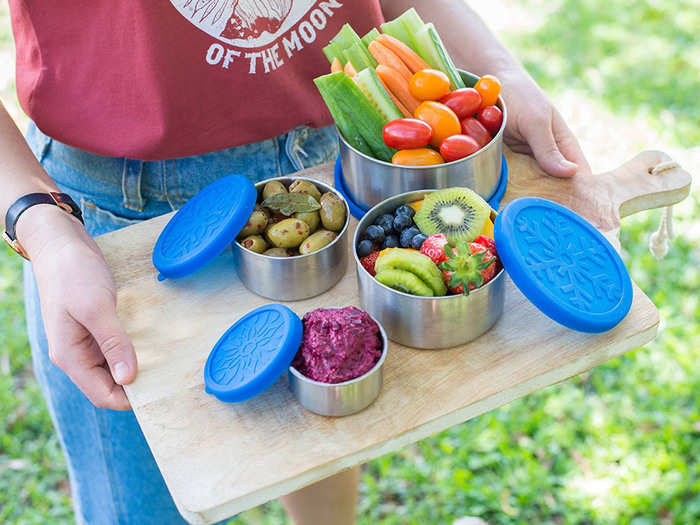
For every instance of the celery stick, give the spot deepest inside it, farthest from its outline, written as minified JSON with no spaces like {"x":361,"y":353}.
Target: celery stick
{"x":370,"y":37}
{"x":332,"y":51}
{"x":360,"y":58}
{"x":396,"y":29}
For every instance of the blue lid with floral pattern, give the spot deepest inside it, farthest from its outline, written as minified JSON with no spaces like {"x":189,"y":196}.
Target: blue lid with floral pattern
{"x":563,"y":265}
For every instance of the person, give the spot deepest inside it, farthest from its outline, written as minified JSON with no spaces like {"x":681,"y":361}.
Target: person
{"x":138,"y":105}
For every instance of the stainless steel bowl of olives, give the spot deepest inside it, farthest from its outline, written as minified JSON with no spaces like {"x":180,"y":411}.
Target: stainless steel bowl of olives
{"x":294,"y":245}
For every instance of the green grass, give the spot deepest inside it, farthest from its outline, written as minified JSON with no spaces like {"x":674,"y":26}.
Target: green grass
{"x":618,"y":444}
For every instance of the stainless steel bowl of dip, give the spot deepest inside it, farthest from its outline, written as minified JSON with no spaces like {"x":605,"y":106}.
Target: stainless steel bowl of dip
{"x":340,"y":399}
{"x":298,"y":277}
{"x":369,"y":181}
{"x":426,"y":322}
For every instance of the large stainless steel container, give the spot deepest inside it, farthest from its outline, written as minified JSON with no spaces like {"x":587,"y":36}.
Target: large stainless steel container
{"x":426,"y":322}
{"x":299,"y":277}
{"x":340,"y":399}
{"x":370,"y":181}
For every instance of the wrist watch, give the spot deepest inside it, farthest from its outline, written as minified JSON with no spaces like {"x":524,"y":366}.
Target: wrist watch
{"x":62,"y":200}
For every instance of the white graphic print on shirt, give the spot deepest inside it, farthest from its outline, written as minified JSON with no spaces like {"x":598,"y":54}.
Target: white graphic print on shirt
{"x":258,"y":31}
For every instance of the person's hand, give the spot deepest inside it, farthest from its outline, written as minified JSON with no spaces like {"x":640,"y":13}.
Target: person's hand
{"x":78,"y":304}
{"x":536,"y":128}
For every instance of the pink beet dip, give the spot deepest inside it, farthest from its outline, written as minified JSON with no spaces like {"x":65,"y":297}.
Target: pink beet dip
{"x":339,"y":344}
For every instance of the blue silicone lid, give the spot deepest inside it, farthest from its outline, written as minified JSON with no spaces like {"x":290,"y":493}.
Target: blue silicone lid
{"x":563,"y":265}
{"x":204,"y":226}
{"x":253,"y":353}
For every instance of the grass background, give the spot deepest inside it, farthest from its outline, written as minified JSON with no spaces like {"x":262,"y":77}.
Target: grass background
{"x":618,"y":444}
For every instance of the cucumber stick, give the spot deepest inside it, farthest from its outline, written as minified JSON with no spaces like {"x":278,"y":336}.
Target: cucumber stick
{"x":430,"y":48}
{"x":370,"y":37}
{"x":366,"y":117}
{"x":343,"y":121}
{"x":368,"y":82}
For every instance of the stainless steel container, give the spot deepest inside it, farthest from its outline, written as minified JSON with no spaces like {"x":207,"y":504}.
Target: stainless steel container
{"x":340,"y":399}
{"x":299,"y":277}
{"x":426,"y":322}
{"x":370,"y":181}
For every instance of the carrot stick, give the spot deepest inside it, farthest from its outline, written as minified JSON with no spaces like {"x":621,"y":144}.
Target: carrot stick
{"x":387,"y":58}
{"x":349,"y":70}
{"x":398,"y":85}
{"x":396,"y":101}
{"x":336,"y":66}
{"x":405,"y":53}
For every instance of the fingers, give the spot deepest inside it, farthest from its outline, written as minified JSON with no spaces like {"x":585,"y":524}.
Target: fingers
{"x":539,"y":135}
{"x":98,"y":386}
{"x":100,"y":319}
{"x":568,"y":144}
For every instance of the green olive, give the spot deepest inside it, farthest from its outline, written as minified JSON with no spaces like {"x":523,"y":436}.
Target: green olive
{"x":311,"y":218}
{"x":288,"y":233}
{"x":304,"y":186}
{"x":255,"y":243}
{"x":257,"y":222}
{"x":332,"y":212}
{"x":276,"y":252}
{"x":272,"y":188}
{"x":315,"y":242}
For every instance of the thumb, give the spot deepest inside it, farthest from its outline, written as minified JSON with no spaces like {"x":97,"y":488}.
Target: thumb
{"x":114,"y":343}
{"x":541,"y":140}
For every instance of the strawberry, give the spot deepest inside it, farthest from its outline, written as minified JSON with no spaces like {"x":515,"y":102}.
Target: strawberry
{"x":368,"y":262}
{"x":487,"y":243}
{"x":434,"y":247}
{"x":471,"y":264}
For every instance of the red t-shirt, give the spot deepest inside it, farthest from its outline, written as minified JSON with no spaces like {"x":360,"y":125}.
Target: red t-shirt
{"x":157,"y":79}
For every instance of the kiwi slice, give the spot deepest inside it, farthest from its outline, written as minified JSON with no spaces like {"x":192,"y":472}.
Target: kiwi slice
{"x":403,"y":281}
{"x":458,"y":213}
{"x":416,"y":263}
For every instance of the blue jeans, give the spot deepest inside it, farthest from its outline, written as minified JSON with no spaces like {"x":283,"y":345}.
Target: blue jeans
{"x":114,"y":478}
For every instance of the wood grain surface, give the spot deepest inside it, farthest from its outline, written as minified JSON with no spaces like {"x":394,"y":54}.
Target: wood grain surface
{"x":219,"y":459}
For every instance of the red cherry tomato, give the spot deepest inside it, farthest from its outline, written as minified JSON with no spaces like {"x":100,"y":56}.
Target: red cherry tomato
{"x":457,"y":147}
{"x":464,"y":102}
{"x":488,"y":87}
{"x":407,"y":133}
{"x":492,"y":118}
{"x":476,"y":130}
{"x":417,"y":157}
{"x":441,"y":118}
{"x":429,"y":84}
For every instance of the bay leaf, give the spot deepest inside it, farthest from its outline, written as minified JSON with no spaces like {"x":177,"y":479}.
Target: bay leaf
{"x":290,"y":203}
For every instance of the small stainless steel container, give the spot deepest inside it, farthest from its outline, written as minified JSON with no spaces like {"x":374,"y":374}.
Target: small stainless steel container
{"x":299,"y":277}
{"x":370,"y":181}
{"x":426,"y":322}
{"x":340,"y":399}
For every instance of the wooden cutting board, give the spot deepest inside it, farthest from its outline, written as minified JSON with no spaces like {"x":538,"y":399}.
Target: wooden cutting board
{"x":219,"y":459}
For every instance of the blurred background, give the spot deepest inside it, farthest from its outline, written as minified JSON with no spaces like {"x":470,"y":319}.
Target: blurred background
{"x":619,"y":444}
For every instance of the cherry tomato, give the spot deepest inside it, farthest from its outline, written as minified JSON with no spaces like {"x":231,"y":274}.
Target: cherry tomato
{"x":476,"y":130}
{"x":457,"y":147}
{"x":465,"y":102}
{"x":488,"y":87}
{"x":429,"y":84}
{"x":441,"y":118}
{"x":407,"y":133}
{"x":492,"y":118}
{"x":417,"y":157}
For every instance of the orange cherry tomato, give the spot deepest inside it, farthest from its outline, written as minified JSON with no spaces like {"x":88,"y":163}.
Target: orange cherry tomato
{"x":488,"y":87}
{"x":429,"y":84}
{"x":442,"y":119}
{"x":417,"y":157}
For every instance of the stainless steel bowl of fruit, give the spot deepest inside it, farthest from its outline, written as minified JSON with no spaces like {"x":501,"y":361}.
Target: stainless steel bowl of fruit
{"x":427,"y":268}
{"x":294,"y":245}
{"x":370,"y":180}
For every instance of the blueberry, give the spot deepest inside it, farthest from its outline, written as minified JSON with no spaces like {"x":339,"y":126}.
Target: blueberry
{"x":386,"y":221}
{"x":417,"y":241}
{"x":391,"y":241}
{"x":401,"y":222}
{"x":375,"y":233}
{"x":407,"y":236}
{"x":365,"y":248}
{"x":405,"y":210}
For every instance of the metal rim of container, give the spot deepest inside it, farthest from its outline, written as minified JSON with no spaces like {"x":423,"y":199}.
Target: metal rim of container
{"x":325,"y":187}
{"x":385,"y":347}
